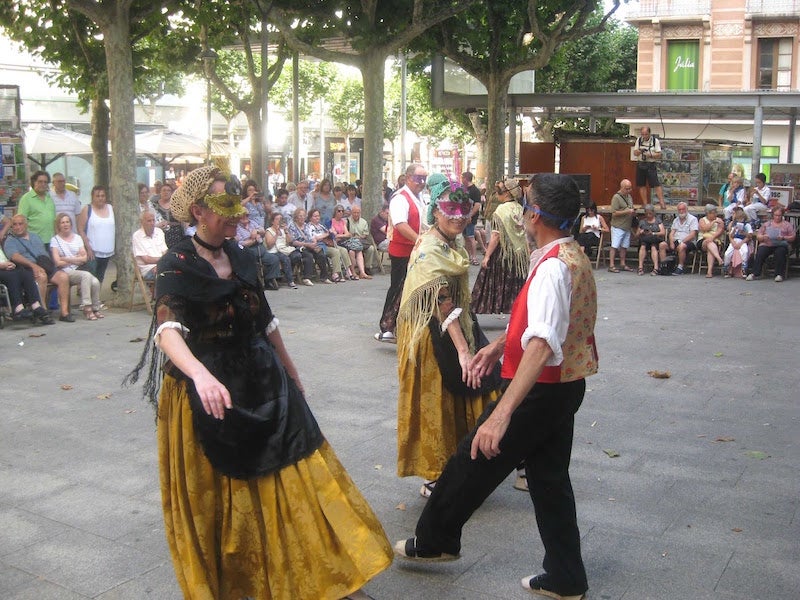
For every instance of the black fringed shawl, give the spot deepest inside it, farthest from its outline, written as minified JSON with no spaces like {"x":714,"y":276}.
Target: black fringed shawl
{"x":270,"y":425}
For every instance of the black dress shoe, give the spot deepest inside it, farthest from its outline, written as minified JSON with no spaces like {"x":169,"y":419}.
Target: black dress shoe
{"x":68,"y":318}
{"x":542,"y":586}
{"x":25,"y":313}
{"x":409,"y":550}
{"x":43,"y":316}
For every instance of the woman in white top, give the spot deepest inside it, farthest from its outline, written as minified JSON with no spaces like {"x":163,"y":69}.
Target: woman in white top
{"x":96,"y":227}
{"x":592,"y":225}
{"x":68,"y":254}
{"x":277,"y":242}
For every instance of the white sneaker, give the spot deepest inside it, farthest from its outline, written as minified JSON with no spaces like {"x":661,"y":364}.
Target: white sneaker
{"x":778,"y":278}
{"x":749,"y":277}
{"x":308,"y":282}
{"x":386,"y":336}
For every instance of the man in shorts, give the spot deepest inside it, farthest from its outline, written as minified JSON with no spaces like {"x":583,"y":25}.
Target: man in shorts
{"x":682,"y":237}
{"x":647,"y":149}
{"x":622,"y":212}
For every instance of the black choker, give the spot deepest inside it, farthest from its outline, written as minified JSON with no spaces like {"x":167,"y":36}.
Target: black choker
{"x":449,"y":240}
{"x":206,"y":245}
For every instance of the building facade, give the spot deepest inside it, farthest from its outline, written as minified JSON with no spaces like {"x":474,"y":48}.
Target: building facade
{"x":720,"y":46}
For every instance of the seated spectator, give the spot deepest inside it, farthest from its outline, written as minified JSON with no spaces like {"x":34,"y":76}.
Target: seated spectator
{"x":69,"y":254}
{"x":759,"y":197}
{"x":682,"y":237}
{"x":735,"y":196}
{"x":144,"y":198}
{"x":378,"y":227}
{"x":711,"y":230}
{"x":359,"y":229}
{"x":774,"y":237}
{"x":317,"y":232}
{"x":28,"y":252}
{"x":148,"y":245}
{"x":592,"y":225}
{"x":345,"y":238}
{"x":324,"y":201}
{"x":251,"y":238}
{"x":310,"y":252}
{"x":300,"y":197}
{"x":350,"y":200}
{"x":283,"y":206}
{"x":651,"y":236}
{"x":252,"y":200}
{"x":275,"y":240}
{"x":21,"y":284}
{"x":740,"y":233}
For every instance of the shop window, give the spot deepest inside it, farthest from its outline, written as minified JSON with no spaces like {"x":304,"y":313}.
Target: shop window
{"x":683,"y":60}
{"x":774,"y":64}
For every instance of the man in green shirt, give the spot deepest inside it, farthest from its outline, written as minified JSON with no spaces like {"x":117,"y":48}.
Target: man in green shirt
{"x":39,"y":208}
{"x":622,"y":211}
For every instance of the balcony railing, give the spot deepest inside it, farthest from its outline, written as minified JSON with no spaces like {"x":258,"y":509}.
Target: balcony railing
{"x":773,"y":8}
{"x":646,"y":9}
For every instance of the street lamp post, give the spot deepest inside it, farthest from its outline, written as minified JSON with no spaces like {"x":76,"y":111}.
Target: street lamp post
{"x":209,"y":57}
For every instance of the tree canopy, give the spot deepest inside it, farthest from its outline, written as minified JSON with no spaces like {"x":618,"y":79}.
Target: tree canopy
{"x":495,"y":40}
{"x":603,"y":62}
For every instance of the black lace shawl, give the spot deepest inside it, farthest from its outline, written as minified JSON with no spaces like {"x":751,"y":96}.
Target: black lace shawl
{"x":270,"y":425}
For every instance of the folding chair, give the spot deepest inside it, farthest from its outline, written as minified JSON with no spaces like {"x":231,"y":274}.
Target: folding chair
{"x":147,"y":288}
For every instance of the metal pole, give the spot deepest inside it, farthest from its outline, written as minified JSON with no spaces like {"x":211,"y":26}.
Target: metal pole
{"x":264,"y":105}
{"x":322,"y":164}
{"x":295,"y":117}
{"x":758,"y":122}
{"x":512,"y":140}
{"x":792,"y":131}
{"x":208,"y":118}
{"x":403,"y":74}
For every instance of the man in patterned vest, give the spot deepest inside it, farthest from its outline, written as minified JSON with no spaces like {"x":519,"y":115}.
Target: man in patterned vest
{"x":548,"y":350}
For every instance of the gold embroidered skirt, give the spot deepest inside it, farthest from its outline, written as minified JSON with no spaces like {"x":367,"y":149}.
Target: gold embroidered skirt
{"x":303,"y":532}
{"x":430,"y":420}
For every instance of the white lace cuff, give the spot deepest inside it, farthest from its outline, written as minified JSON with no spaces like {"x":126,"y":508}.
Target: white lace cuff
{"x":169,"y":325}
{"x":273,"y":325}
{"x":454,"y":314}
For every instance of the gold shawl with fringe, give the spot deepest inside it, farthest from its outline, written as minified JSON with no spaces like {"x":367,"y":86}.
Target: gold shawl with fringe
{"x":507,"y":221}
{"x":432,"y":266}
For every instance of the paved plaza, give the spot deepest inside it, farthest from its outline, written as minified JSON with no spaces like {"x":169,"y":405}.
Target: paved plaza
{"x":687,"y":487}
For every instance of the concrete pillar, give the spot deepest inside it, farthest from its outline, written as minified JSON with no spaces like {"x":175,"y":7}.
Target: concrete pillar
{"x":758,"y":126}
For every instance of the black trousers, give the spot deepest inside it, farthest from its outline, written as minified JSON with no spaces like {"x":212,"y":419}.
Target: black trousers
{"x":540,"y":433}
{"x":17,"y":281}
{"x":392,"y":303}
{"x":781,"y":254}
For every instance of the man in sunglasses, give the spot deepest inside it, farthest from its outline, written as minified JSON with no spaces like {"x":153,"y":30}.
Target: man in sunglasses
{"x":548,"y":350}
{"x":405,"y":222}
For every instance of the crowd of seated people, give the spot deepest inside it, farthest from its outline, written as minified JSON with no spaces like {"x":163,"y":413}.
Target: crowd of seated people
{"x":736,"y":246}
{"x":291,"y":244}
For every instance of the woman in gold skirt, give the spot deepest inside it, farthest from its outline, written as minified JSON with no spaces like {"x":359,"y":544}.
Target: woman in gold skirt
{"x":437,"y":335}
{"x":256,"y":504}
